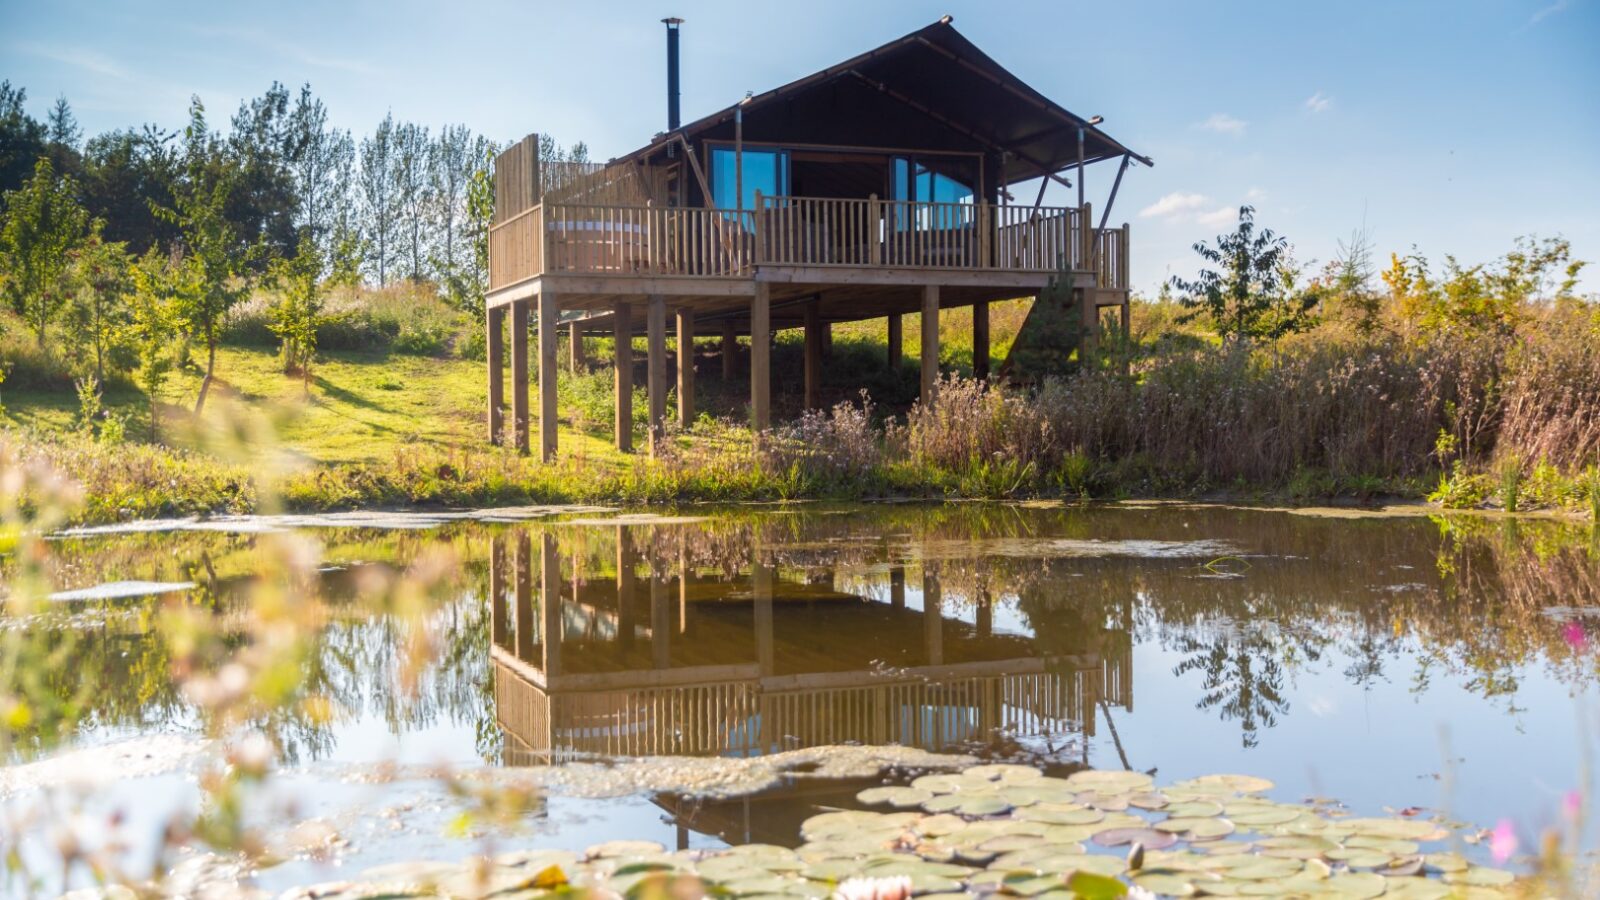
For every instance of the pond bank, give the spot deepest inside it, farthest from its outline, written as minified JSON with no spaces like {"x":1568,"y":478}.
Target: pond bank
{"x":128,"y":482}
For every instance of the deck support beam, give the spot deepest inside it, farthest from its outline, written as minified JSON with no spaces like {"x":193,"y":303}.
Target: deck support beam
{"x":730,"y":349}
{"x":621,"y":316}
{"x":1089,"y":316}
{"x":896,"y":341}
{"x":932,"y":617}
{"x":685,"y":366}
{"x":495,"y":352}
{"x":980,"y":340}
{"x":548,"y":338}
{"x":814,"y":351}
{"x":627,"y":562}
{"x":577,"y":361}
{"x":761,"y":357}
{"x":519,"y":374}
{"x":522,"y":596}
{"x":656,"y":366}
{"x":930,"y":341}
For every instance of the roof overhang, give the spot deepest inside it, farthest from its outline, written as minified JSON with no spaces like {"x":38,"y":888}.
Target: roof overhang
{"x":931,"y":82}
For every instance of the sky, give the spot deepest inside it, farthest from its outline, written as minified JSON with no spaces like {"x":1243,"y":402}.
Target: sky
{"x":1453,"y":127}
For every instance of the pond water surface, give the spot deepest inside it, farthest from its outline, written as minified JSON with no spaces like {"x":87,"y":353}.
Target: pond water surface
{"x":1386,"y":661}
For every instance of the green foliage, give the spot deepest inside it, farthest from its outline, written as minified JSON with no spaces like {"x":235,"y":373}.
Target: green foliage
{"x":98,"y":313}
{"x":1487,"y":299}
{"x":1461,"y":488}
{"x":43,"y":224}
{"x":297,"y":315}
{"x":1253,"y":295}
{"x":161,"y":287}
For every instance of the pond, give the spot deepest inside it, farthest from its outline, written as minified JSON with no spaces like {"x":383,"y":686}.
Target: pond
{"x":714,"y":676}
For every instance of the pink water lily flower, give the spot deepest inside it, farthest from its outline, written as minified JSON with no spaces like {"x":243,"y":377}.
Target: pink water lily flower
{"x":1503,"y":841}
{"x":1576,"y":637}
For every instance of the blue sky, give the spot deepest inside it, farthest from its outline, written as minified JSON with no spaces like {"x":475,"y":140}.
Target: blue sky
{"x":1452,"y":126}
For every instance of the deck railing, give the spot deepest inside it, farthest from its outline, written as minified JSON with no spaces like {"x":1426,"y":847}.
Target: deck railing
{"x":800,"y":231}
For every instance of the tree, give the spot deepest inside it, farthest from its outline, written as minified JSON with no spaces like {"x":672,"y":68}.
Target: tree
{"x":211,"y":245}
{"x":1253,"y":296}
{"x":320,"y":159}
{"x":262,"y":201}
{"x":379,"y":205}
{"x":98,"y":314}
{"x":43,"y":224}
{"x":127,"y":176}
{"x":160,"y":285}
{"x":467,"y":284}
{"x":21,"y":138}
{"x":297,"y":314}
{"x":450,"y":175}
{"x":1348,"y":280}
{"x":413,"y":158}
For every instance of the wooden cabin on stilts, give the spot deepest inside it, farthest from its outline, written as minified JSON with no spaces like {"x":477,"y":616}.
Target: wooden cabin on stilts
{"x":885,"y":185}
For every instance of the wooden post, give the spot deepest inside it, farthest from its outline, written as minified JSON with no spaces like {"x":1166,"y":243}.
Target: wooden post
{"x":985,"y":234}
{"x":980,"y":340}
{"x":522,"y":592}
{"x":730,"y":348}
{"x":495,"y":350}
{"x":1122,"y":282}
{"x":576,"y":360}
{"x":497,"y":592}
{"x":761,"y":577}
{"x":813,"y":371}
{"x":550,"y":604}
{"x":984,"y":616}
{"x":930,"y":341}
{"x":827,"y":340}
{"x":627,"y":561}
{"x":519,"y":373}
{"x":656,"y":366}
{"x":932,"y":616}
{"x":874,"y":246}
{"x":548,"y":336}
{"x":621,"y":315}
{"x":685,"y":366}
{"x":897,"y":587}
{"x":660,"y":621}
{"x":896,"y":341}
{"x":1089,"y":318}
{"x":761,"y":357}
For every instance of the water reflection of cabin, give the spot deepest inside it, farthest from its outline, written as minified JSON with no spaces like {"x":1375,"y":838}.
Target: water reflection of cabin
{"x":684,"y":664}
{"x":898,"y":181}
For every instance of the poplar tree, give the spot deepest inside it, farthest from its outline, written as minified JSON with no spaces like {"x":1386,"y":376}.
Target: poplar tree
{"x":379,"y":209}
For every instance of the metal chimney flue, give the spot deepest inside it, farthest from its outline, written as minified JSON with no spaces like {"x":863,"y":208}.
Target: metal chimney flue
{"x":672,"y":24}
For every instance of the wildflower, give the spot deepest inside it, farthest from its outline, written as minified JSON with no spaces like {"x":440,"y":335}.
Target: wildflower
{"x":1572,"y":805}
{"x":1503,"y":841}
{"x":896,"y":887}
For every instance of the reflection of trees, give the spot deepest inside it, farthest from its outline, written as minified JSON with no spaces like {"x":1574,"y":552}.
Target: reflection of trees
{"x":1242,"y":678}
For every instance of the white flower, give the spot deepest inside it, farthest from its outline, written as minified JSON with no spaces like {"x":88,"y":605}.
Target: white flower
{"x":896,"y":887}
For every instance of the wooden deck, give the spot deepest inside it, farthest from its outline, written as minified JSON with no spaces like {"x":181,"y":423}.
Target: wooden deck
{"x":595,"y":252}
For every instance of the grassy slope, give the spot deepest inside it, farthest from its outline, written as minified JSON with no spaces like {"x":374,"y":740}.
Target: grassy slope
{"x":364,"y":406}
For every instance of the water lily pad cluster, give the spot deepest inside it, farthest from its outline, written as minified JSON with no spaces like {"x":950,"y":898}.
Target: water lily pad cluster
{"x":1010,"y":830}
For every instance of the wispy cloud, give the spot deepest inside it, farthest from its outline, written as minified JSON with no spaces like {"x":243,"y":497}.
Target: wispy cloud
{"x":79,"y":58}
{"x":1221,"y":217}
{"x":1173,"y":206}
{"x":1222,"y":123}
{"x":1318,"y":102}
{"x":289,"y":50}
{"x":1547,"y":11}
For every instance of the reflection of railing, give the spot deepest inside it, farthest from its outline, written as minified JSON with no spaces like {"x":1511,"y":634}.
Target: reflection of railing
{"x":930,"y":708}
{"x":645,"y":240}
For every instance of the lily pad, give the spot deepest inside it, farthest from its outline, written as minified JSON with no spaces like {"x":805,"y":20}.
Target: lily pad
{"x":1109,"y":781}
{"x":1149,"y":837}
{"x":901,"y":797}
{"x":1197,"y":827}
{"x":1480,"y":876}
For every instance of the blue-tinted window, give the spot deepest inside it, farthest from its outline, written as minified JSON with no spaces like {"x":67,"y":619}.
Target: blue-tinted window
{"x":766,"y":171}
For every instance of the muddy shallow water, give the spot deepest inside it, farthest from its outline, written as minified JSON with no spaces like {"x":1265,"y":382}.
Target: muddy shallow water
{"x":680,"y":677}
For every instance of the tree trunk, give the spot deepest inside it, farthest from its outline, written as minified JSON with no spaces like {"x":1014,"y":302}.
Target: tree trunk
{"x":211,"y":367}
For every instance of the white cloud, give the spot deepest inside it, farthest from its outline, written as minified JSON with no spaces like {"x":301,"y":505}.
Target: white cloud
{"x":1220,"y":217}
{"x":1222,"y":123}
{"x":1318,"y":102}
{"x":1175,"y":205}
{"x":1255,"y":195}
{"x":1546,"y":12}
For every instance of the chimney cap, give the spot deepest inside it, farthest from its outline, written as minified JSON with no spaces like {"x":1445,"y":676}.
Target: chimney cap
{"x":672,"y":21}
